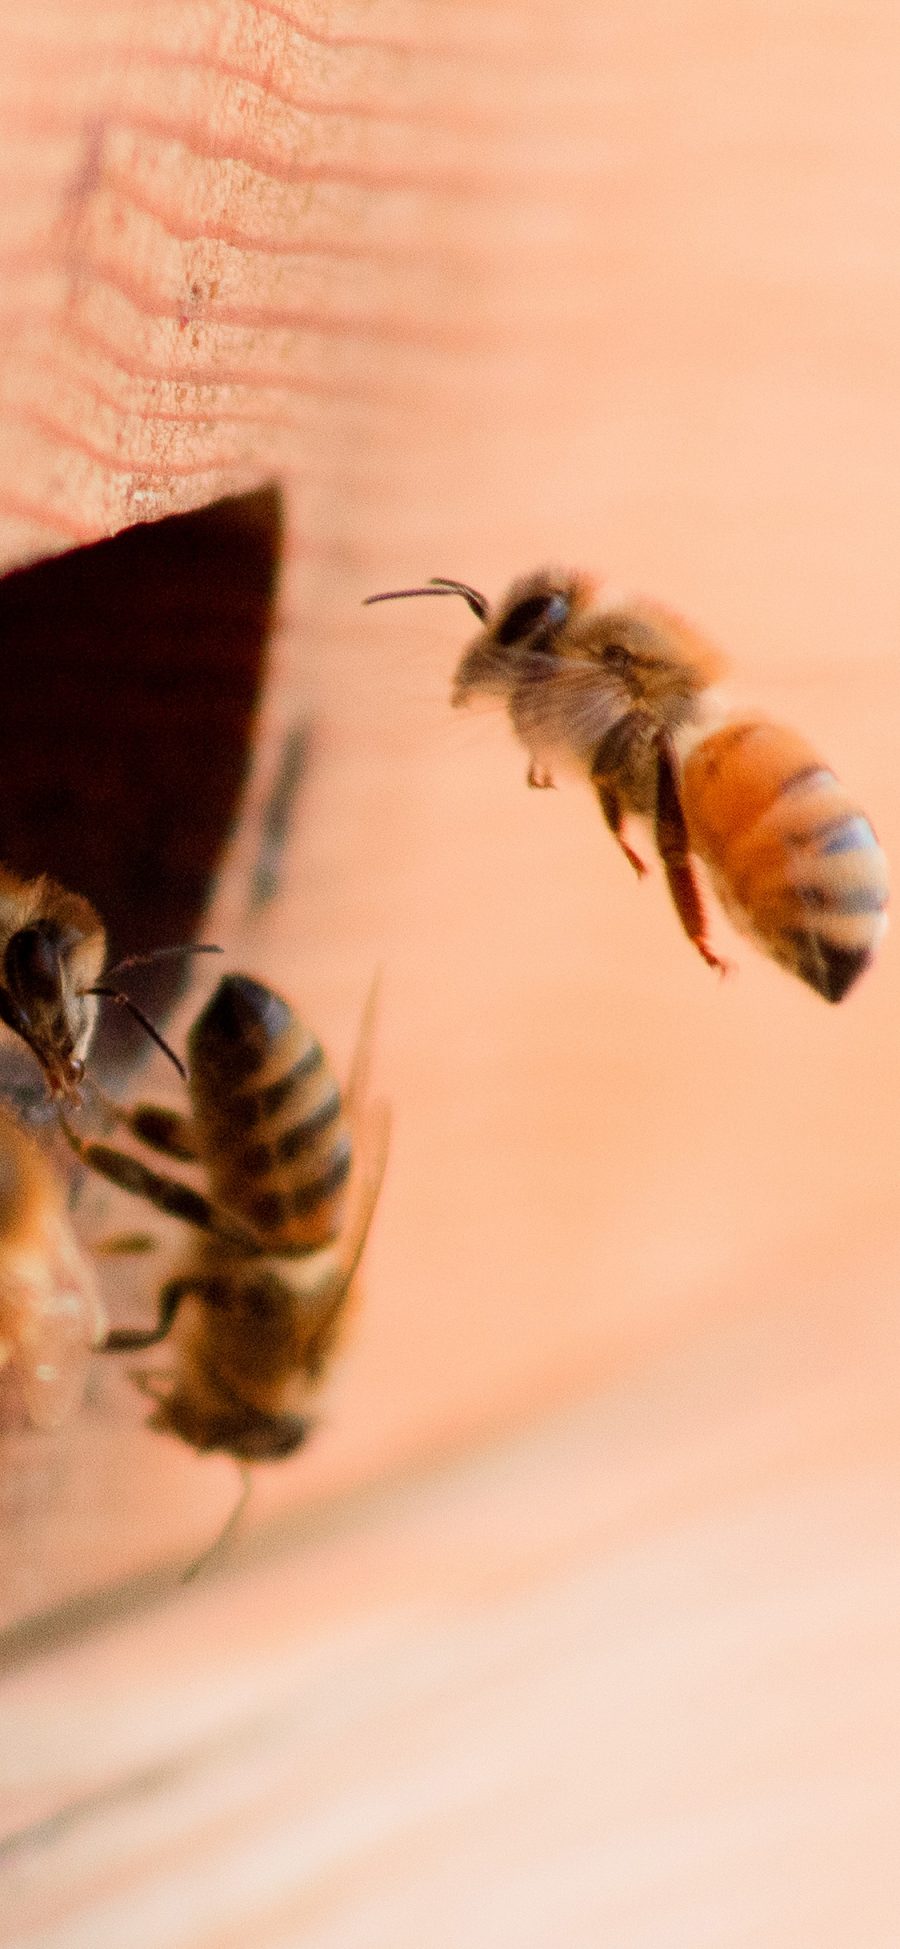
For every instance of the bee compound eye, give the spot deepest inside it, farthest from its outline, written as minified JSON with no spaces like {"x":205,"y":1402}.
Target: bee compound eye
{"x":32,"y":964}
{"x":533,"y":614}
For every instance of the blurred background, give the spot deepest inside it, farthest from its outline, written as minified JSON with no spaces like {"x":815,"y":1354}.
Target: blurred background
{"x":577,"y":1620}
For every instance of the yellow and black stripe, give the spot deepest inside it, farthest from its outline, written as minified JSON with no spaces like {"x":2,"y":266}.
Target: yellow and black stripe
{"x":269,"y":1116}
{"x":792,"y":857}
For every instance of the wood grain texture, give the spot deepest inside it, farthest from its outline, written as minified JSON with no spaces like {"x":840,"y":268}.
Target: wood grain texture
{"x":431,"y":238}
{"x":628,"y":1675}
{"x":209,"y":243}
{"x":630,"y":1678}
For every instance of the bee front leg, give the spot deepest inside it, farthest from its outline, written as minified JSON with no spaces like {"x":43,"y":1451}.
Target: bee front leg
{"x":675,"y":853}
{"x":539,"y":778}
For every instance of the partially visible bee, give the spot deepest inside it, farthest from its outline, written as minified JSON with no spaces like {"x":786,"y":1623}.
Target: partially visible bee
{"x":256,"y":1308}
{"x":52,"y":951}
{"x":624,"y":693}
{"x":50,"y":1309}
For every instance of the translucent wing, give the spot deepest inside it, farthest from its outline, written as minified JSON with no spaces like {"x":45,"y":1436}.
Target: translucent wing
{"x":329,"y":1290}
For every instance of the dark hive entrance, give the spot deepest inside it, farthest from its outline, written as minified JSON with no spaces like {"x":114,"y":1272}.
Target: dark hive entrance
{"x":131,"y":672}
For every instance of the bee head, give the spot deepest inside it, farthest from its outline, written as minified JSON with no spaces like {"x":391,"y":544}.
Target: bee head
{"x":527,"y":624}
{"x":523,"y":636}
{"x":42,"y":994}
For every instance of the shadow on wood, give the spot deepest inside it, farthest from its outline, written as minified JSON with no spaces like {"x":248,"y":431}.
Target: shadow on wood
{"x":132,"y":676}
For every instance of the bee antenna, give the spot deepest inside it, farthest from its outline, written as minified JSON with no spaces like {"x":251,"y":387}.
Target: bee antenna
{"x":476,"y":601}
{"x":440,"y":585}
{"x":161,"y":954}
{"x":125,"y":1001}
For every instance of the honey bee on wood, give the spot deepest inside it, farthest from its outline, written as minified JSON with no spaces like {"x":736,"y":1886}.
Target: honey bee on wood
{"x":52,"y":951}
{"x":50,"y":1309}
{"x":279,"y":1228}
{"x":625,"y":693}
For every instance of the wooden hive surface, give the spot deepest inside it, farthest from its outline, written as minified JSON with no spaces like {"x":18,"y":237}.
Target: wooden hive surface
{"x":580,"y":1624}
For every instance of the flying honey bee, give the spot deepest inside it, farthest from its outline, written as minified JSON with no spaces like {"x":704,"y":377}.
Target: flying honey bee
{"x":52,"y":951}
{"x":256,"y":1308}
{"x":625,"y":693}
{"x":50,"y":1309}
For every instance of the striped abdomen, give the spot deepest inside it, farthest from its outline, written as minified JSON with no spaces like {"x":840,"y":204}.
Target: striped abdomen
{"x":269,"y":1114}
{"x":791,"y":856}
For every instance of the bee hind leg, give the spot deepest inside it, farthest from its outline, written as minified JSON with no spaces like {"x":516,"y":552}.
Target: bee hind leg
{"x":121,"y":1244}
{"x":134,"y":1340}
{"x":220,"y":1543}
{"x":675,"y":853}
{"x":155,"y":1382}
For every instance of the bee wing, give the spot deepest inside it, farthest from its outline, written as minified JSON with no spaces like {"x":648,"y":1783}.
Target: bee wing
{"x":372,"y":1151}
{"x":591,"y":707}
{"x":329,"y":1290}
{"x":361,"y":1065}
{"x":571,"y":712}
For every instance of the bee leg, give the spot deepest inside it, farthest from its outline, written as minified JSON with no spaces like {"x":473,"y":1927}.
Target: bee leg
{"x":133,"y":1340}
{"x":155,"y":1382}
{"x":168,"y":1131}
{"x":169,"y":1195}
{"x":121,"y":1244}
{"x":539,"y":778}
{"x":220,"y":1543}
{"x":675,"y":853}
{"x":624,"y":747}
{"x":611,"y":807}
